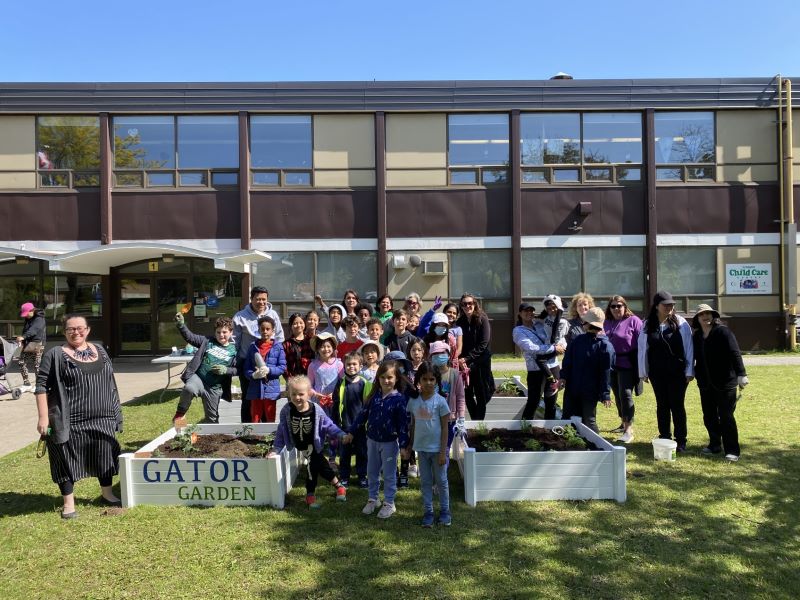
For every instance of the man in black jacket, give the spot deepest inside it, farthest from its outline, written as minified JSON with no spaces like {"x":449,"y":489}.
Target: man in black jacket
{"x":32,"y":340}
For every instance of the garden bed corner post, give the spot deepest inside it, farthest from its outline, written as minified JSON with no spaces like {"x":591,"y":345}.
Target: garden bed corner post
{"x":469,"y":477}
{"x":620,"y":492}
{"x":126,"y":480}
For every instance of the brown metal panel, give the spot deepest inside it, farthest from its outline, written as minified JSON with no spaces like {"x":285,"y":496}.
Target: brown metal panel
{"x":106,"y":234}
{"x":617,"y":210}
{"x":380,"y":193}
{"x":176,"y":215}
{"x":314,"y":214}
{"x":68,"y":215}
{"x":449,"y":212}
{"x":761,"y":332}
{"x":718,"y":209}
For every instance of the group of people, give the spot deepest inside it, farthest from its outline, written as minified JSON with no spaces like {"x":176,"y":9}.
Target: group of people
{"x":613,"y":352}
{"x":381,"y":384}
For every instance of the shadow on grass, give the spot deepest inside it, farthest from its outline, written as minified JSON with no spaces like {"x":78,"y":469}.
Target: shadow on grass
{"x":155,"y":397}
{"x":13,"y":504}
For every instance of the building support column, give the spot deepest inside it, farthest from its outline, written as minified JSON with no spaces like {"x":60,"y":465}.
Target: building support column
{"x":651,"y":229}
{"x":380,"y":197}
{"x":106,"y":178}
{"x":788,"y":224}
{"x":244,"y":196}
{"x":516,"y":212}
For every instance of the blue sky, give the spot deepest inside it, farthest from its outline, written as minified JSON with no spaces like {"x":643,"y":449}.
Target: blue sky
{"x":312,"y":40}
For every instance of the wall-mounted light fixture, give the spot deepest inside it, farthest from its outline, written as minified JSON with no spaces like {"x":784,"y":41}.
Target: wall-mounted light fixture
{"x":168,"y":258}
{"x":22,"y":260}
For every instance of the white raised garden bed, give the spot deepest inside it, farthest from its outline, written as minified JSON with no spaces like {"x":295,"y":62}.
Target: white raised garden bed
{"x":507,"y":408}
{"x":562,"y":475}
{"x":207,"y":481}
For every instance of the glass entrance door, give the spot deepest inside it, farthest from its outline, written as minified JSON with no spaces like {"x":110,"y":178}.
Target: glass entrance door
{"x":171,"y":295}
{"x":147,"y":313}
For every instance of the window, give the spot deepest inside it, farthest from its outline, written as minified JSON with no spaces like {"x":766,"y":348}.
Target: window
{"x":281,"y":150}
{"x":477,"y":141}
{"x":485,"y":273}
{"x":612,"y":271}
{"x":338,"y":271}
{"x":576,"y":147}
{"x":68,"y":151}
{"x":205,"y":143}
{"x":551,"y":271}
{"x":144,"y":143}
{"x":687,"y":271}
{"x":288,"y":276}
{"x":683,"y":141}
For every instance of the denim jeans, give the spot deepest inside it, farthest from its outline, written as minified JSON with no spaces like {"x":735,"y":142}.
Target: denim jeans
{"x":382,"y":458}
{"x":431,"y":471}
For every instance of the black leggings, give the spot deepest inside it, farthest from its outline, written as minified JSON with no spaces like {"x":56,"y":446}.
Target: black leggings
{"x":623,"y":381}
{"x":67,"y":487}
{"x":536,"y":382}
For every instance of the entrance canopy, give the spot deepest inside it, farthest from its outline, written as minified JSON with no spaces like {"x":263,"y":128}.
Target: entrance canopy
{"x":21,"y":255}
{"x":99,"y":260}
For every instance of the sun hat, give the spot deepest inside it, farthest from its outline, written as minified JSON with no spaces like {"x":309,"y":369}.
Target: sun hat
{"x":554,"y":299}
{"x":595,"y":317}
{"x":526,"y":306}
{"x":376,"y":345}
{"x":701,"y":308}
{"x":321,"y":337}
{"x":440,"y":318}
{"x":663,"y":297}
{"x":26,"y":308}
{"x":438,"y":347}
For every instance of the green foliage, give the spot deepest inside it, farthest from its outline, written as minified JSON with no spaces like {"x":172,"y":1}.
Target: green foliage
{"x":533,"y":444}
{"x":244,"y":432}
{"x":572,"y":438}
{"x":482,"y":429}
{"x":183,"y":441}
{"x":507,"y":388}
{"x":525,"y":426}
{"x":493,"y":445}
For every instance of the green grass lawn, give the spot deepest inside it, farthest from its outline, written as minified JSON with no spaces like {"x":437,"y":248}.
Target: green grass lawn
{"x":696,"y":528}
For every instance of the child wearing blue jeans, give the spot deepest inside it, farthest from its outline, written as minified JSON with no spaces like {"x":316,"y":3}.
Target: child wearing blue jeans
{"x":430,"y":414}
{"x":387,"y":432}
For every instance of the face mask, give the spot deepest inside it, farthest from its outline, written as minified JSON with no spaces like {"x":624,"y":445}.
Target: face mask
{"x":439,"y":330}
{"x":439,"y":360}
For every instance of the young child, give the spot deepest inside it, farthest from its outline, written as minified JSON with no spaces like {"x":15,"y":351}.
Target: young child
{"x":351,"y":341}
{"x":451,"y":386}
{"x":413,"y":323}
{"x":265,"y":363}
{"x":400,"y":338}
{"x":312,"y":324}
{"x":450,"y":310}
{"x":429,"y":416}
{"x":375,"y":330}
{"x":351,"y":393}
{"x":372,"y":355}
{"x":209,"y":373}
{"x":335,"y":315}
{"x":416,"y":354}
{"x":406,"y":387}
{"x":303,"y":425}
{"x":387,"y":430}
{"x":440,"y":332}
{"x":363,"y":314}
{"x":325,"y":370}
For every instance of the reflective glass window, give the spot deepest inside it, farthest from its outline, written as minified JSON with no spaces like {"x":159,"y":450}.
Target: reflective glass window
{"x":72,"y":294}
{"x":338,"y":271}
{"x":551,"y":271}
{"x":612,"y":271}
{"x":463,"y":177}
{"x":288,"y":276}
{"x":478,"y":139}
{"x":684,"y":137}
{"x":485,"y":273}
{"x":612,"y":137}
{"x":297,"y":178}
{"x":550,"y":138}
{"x":68,"y":143}
{"x":281,"y":141}
{"x":269,"y":178}
{"x":144,"y":142}
{"x":687,"y":270}
{"x":208,"y":142}
{"x":14,"y":292}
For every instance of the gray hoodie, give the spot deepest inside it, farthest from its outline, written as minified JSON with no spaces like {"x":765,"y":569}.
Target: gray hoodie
{"x":245,"y":329}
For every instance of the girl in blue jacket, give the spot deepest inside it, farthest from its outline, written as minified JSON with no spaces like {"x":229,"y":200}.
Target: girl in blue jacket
{"x":265,"y":363}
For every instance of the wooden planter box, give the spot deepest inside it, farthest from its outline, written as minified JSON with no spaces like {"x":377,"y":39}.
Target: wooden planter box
{"x":206,"y":480}
{"x":564,"y":475}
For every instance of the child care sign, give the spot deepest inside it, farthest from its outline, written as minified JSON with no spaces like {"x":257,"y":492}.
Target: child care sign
{"x":748,"y":278}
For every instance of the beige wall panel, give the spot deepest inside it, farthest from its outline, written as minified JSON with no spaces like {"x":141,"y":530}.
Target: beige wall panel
{"x":416,"y":141}
{"x":796,"y":172}
{"x":796,"y":135}
{"x":746,"y":136}
{"x":731,"y":255}
{"x":402,"y":282}
{"x":344,"y":178}
{"x":409,"y":178}
{"x":17,"y":181}
{"x":17,"y":143}
{"x":344,"y":141}
{"x":746,"y":173}
{"x":732,"y":305}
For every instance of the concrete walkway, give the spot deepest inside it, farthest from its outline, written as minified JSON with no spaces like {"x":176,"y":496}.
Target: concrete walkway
{"x":136,"y":377}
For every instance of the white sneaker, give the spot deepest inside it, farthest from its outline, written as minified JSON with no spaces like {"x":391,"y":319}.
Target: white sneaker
{"x":413,"y":471}
{"x":370,"y":506}
{"x":626,"y":437}
{"x":26,"y":387}
{"x":386,"y":511}
{"x":731,"y":457}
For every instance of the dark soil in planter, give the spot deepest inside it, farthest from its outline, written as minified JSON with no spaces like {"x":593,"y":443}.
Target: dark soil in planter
{"x":515,"y":440}
{"x":219,"y":445}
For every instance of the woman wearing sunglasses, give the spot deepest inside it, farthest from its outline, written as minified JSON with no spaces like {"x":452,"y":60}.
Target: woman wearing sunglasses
{"x":622,"y":328}
{"x":476,"y":355}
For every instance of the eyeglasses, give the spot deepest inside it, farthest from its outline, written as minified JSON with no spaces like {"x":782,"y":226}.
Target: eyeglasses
{"x":615,"y":306}
{"x":412,"y":302}
{"x":76,"y":329}
{"x":467,"y":304}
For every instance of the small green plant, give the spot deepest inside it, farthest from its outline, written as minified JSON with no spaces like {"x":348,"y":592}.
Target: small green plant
{"x":482,"y":429}
{"x":244,"y":432}
{"x":183,"y":441}
{"x":156,"y":453}
{"x":508,"y":388}
{"x":493,"y":445}
{"x":573,"y":439}
{"x":265,"y":447}
{"x":525,"y":426}
{"x":533,"y":444}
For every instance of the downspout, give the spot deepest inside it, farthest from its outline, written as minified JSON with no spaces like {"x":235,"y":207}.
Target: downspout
{"x":788,"y":225}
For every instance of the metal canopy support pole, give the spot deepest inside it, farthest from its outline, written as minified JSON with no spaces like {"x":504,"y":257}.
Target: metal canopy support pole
{"x":788,"y":225}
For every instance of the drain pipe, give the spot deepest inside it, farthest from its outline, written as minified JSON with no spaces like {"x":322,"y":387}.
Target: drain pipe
{"x":788,"y":225}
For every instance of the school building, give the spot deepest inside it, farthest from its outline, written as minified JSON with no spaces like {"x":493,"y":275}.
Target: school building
{"x":127,"y":201}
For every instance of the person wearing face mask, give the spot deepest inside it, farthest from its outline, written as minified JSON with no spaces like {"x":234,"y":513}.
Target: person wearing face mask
{"x":439,"y":331}
{"x":452,"y":386}
{"x":586,"y":370}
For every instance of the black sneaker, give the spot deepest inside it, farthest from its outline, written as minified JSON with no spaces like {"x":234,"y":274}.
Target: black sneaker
{"x":402,"y":481}
{"x":711,"y":450}
{"x":363,"y":483}
{"x":681,"y":448}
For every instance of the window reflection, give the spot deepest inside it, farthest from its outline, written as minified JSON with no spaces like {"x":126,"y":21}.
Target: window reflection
{"x":208,"y":142}
{"x":67,"y":143}
{"x":684,"y":137}
{"x":551,"y":271}
{"x":288,"y":276}
{"x":485,"y":273}
{"x":615,"y":271}
{"x":550,"y":138}
{"x":687,"y":270}
{"x":478,"y":139}
{"x":612,"y":137}
{"x":281,"y":141}
{"x":144,"y":142}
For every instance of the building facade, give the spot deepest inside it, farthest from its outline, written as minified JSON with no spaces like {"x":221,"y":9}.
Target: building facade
{"x":126,"y":202}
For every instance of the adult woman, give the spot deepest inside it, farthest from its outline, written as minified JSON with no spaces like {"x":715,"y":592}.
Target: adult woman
{"x":555,"y":327}
{"x":666,"y":359}
{"x":622,"y":328}
{"x":578,"y":306}
{"x":32,"y":340}
{"x":476,"y":356}
{"x":297,"y":348}
{"x":719,"y":369}
{"x":383,"y":308}
{"x":531,"y":338}
{"x":79,"y":413}
{"x":349,"y":302}
{"x":413,"y":304}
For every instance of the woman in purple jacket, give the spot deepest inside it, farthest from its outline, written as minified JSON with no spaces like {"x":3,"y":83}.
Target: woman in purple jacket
{"x":622,"y":328}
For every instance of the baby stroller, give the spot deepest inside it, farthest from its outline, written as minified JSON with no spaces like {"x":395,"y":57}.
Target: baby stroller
{"x":10,"y":350}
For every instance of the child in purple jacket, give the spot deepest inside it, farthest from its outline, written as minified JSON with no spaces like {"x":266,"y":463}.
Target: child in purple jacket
{"x":304,"y":425}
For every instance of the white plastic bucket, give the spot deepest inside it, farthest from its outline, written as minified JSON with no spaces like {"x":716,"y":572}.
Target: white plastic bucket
{"x":664,"y":449}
